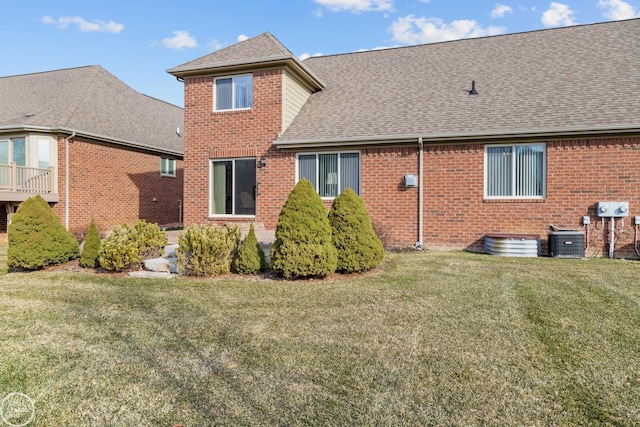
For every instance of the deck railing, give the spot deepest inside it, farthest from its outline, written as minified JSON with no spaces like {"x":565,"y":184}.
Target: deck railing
{"x":26,"y":180}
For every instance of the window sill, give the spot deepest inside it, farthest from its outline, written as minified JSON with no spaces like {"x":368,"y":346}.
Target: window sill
{"x":233,"y":110}
{"x":514,"y":201}
{"x":165,"y":175}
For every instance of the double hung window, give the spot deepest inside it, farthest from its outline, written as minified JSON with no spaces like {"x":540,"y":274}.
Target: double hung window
{"x":234,"y":93}
{"x":167,"y":166}
{"x":233,"y":187}
{"x":331,"y":173}
{"x":515,"y":171}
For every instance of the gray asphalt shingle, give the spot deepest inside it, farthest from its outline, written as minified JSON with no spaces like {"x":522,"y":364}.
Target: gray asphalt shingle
{"x":89,"y":100}
{"x":575,"y":77}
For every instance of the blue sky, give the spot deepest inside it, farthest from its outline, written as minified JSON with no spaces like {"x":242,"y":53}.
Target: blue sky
{"x":137,"y":40}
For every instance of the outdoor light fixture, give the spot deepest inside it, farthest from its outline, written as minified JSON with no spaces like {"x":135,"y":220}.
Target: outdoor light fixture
{"x":263,"y":162}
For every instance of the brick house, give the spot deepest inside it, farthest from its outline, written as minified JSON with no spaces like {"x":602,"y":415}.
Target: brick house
{"x":91,"y":146}
{"x":444,"y":142}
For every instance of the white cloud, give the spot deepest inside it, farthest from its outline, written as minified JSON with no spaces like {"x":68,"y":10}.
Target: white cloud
{"x":617,"y":10}
{"x":356,"y":6}
{"x":214,"y":45}
{"x":180,"y":40}
{"x":558,"y":15}
{"x":308,"y":55}
{"x":242,"y":38}
{"x":412,"y":30}
{"x":83,"y":25}
{"x":500,"y":10}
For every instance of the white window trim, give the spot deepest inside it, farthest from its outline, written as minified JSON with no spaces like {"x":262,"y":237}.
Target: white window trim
{"x":233,"y":188}
{"x":172,"y":175}
{"x":513,"y":177}
{"x":233,"y":93}
{"x":316,"y":153}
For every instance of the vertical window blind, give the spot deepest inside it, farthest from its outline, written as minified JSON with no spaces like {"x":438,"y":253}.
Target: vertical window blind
{"x":331,"y":173}
{"x":515,"y":171}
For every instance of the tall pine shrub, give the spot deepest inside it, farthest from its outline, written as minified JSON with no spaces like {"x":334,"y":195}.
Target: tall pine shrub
{"x":37,"y":238}
{"x":250,"y":259}
{"x":303,"y":236}
{"x":91,"y":248}
{"x":359,"y":248}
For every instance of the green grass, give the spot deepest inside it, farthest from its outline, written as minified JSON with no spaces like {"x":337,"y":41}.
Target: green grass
{"x":434,"y":339}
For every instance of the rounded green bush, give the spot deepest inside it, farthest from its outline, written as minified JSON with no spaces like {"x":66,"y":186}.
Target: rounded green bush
{"x":359,"y":248}
{"x":125,"y":248}
{"x":250,"y":259}
{"x":37,"y":238}
{"x":303,"y":236}
{"x":90,"y":251}
{"x":207,"y":250}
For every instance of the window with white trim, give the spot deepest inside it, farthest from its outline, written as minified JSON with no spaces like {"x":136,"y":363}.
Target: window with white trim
{"x":330,"y":173}
{"x":233,"y":93}
{"x":515,"y":170}
{"x":233,"y":187}
{"x":167,"y":166}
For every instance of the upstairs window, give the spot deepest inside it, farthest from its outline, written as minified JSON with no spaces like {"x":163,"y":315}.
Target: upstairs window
{"x":234,"y":93}
{"x":331,"y":173}
{"x":167,"y":166}
{"x":515,"y":171}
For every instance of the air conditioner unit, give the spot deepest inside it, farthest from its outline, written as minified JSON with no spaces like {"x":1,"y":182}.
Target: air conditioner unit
{"x":566,"y":244}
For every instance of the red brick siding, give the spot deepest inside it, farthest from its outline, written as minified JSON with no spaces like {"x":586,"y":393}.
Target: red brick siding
{"x":580,"y":173}
{"x":115,"y":185}
{"x":231,"y":134}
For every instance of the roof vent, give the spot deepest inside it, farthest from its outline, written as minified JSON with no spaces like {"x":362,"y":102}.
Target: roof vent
{"x":29,"y":114}
{"x":473,"y":90}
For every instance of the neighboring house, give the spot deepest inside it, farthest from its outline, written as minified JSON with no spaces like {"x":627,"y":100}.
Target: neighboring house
{"x":91,"y":146}
{"x":551,"y":129}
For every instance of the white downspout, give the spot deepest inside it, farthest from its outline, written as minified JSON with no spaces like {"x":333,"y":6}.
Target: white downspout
{"x":66,"y":179}
{"x":420,"y":193}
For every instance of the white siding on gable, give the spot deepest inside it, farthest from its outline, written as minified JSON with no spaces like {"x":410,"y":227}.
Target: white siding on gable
{"x":294,"y":97}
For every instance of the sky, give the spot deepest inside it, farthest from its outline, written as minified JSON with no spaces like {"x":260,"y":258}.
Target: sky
{"x":138,"y":40}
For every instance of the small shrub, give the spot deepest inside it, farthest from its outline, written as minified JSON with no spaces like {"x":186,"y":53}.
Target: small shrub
{"x":150,"y":238}
{"x":250,"y":259}
{"x":207,"y":250}
{"x":127,"y":247}
{"x":359,"y":249}
{"x":303,"y":236}
{"x":91,"y":248}
{"x":118,"y":251}
{"x":37,"y":238}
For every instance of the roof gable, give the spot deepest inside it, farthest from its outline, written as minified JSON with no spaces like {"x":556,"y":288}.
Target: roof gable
{"x":92,"y":102}
{"x":261,"y":48}
{"x":262,"y":51}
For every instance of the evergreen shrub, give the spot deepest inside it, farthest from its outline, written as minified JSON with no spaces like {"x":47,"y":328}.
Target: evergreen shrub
{"x":207,"y":250}
{"x":303,"y":236}
{"x":125,"y":248}
{"x":37,"y":238}
{"x":250,"y":259}
{"x":359,"y":248}
{"x":90,"y":251}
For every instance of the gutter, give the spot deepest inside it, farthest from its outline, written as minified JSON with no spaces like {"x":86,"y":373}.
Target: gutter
{"x":458,"y":137}
{"x":103,"y":138}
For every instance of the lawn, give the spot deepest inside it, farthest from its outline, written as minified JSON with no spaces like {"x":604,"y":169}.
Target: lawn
{"x":434,"y":338}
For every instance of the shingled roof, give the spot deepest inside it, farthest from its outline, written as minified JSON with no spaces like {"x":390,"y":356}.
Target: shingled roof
{"x":263,"y":50}
{"x":91,"y":102}
{"x":560,"y":81}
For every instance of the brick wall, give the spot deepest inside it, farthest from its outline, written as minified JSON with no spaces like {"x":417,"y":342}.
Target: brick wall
{"x":580,"y":173}
{"x":233,"y":134}
{"x":114,"y":185}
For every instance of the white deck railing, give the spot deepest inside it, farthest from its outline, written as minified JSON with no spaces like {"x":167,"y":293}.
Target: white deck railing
{"x":26,"y":180}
